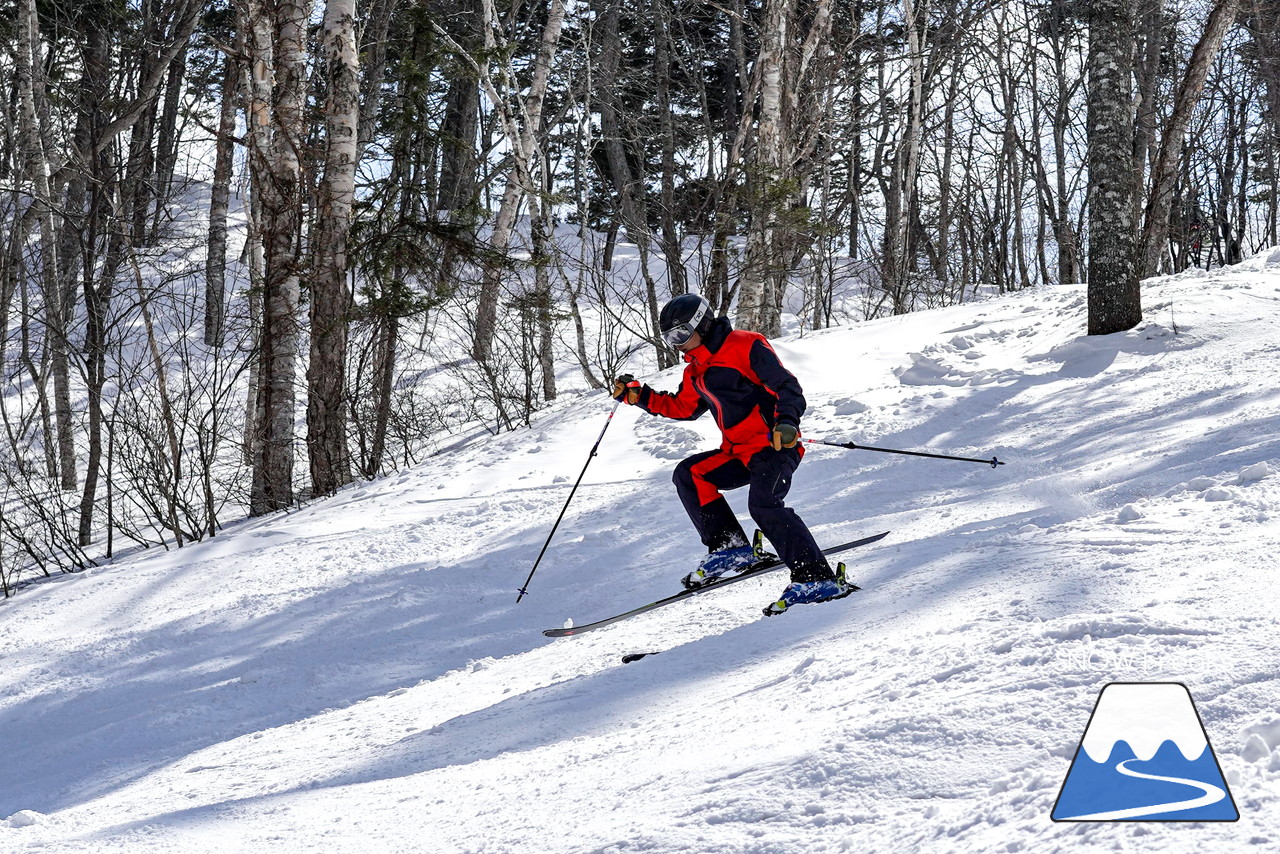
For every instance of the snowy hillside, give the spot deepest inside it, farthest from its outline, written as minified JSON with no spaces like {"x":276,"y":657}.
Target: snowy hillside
{"x":357,"y":677}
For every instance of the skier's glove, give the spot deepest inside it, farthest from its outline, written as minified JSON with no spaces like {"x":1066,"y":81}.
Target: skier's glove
{"x":626,"y":389}
{"x":785,"y":435}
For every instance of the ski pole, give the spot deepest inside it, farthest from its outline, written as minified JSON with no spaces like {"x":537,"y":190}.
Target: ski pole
{"x":993,"y":462}
{"x":594,"y":448}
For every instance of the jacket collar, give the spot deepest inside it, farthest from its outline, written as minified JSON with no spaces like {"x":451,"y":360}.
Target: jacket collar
{"x":711,"y":342}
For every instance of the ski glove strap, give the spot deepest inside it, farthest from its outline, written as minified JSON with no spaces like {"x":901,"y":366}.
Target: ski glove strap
{"x":785,"y":435}
{"x":626,"y":389}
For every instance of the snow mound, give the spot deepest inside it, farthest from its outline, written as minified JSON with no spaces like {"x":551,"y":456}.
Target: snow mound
{"x":25,"y":818}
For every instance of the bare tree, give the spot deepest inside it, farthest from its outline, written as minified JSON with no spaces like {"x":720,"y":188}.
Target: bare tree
{"x":1164,"y":176}
{"x":1115,"y":298}
{"x":521,"y":119}
{"x":276,"y":34}
{"x":326,"y":371}
{"x":790,"y":120}
{"x":219,"y":202}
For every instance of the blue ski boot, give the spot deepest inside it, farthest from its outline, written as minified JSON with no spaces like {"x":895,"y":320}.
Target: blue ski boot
{"x":809,"y":592}
{"x":732,"y":559}
{"x":716,"y":564}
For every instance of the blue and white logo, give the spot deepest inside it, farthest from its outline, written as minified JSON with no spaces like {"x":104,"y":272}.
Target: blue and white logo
{"x":1145,"y":756}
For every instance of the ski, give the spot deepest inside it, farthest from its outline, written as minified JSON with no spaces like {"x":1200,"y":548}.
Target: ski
{"x":754,"y":572}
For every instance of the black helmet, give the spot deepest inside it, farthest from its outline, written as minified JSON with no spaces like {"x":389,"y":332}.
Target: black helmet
{"x":683,"y":316}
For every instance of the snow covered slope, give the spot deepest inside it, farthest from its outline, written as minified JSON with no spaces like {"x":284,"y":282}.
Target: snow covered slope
{"x":356,"y":676}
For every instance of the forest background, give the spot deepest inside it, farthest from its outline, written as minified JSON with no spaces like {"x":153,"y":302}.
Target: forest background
{"x":255,"y":250}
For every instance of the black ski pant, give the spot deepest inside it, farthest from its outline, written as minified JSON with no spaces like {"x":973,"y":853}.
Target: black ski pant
{"x":699,"y":480}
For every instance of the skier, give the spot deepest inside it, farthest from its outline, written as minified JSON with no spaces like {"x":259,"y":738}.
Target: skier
{"x":757,"y":405}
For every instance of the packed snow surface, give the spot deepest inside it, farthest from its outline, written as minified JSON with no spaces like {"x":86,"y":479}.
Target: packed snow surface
{"x":356,"y":676}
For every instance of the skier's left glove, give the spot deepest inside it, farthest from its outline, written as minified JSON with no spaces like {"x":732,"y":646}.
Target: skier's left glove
{"x":626,"y":389}
{"x":785,"y":435}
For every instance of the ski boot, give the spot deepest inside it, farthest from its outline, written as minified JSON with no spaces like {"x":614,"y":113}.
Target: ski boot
{"x":732,"y":559}
{"x":809,"y":592}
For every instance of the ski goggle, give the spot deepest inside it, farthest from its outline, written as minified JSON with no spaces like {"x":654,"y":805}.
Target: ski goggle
{"x":677,"y":335}
{"x":682,"y":332}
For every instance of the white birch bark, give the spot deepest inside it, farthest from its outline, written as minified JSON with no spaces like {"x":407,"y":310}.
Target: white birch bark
{"x":1164,"y":175}
{"x":280,"y":187}
{"x":326,"y":373}
{"x":793,"y":108}
{"x":520,"y":122}
{"x":219,"y":201}
{"x":57,"y":300}
{"x":908,"y":162}
{"x":754,"y":289}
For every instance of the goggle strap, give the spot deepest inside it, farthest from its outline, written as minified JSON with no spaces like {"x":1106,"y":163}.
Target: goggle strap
{"x":698,"y":315}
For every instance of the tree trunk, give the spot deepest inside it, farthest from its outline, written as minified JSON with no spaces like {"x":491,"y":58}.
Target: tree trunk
{"x":326,"y":372}
{"x":458,"y":161}
{"x":31,"y":141}
{"x":373,"y":60}
{"x":167,"y":140}
{"x":1149,"y":38}
{"x":1114,"y":295}
{"x":771,"y":172}
{"x":664,"y":69}
{"x":542,"y":298}
{"x":58,"y":269}
{"x":794,"y":113}
{"x":1263,"y":19}
{"x":628,"y":186}
{"x":1164,"y":176}
{"x":522,"y":135}
{"x":457,"y":195}
{"x":279,"y":69}
{"x":384,"y":371}
{"x":898,"y":260}
{"x":1065,"y":83}
{"x":215,"y":268}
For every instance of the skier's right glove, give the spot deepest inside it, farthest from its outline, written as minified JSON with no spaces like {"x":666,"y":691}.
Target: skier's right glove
{"x":626,"y":389}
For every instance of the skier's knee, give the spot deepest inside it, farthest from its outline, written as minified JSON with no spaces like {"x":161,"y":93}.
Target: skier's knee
{"x":766,"y":518}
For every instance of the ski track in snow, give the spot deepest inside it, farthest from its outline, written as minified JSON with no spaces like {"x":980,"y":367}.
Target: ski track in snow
{"x":355,"y":676}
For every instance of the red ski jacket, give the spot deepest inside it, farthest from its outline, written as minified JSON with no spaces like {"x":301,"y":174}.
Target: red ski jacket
{"x":737,"y":376}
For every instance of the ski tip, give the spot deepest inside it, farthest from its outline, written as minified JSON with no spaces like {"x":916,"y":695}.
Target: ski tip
{"x":636,"y":656}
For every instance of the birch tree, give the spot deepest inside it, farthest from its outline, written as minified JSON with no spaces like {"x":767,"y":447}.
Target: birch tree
{"x":791,"y":118}
{"x":277,"y":56}
{"x":521,"y":120}
{"x":219,"y":201}
{"x":32,"y":170}
{"x":900,"y":206}
{"x":326,"y":371}
{"x":1164,"y":175}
